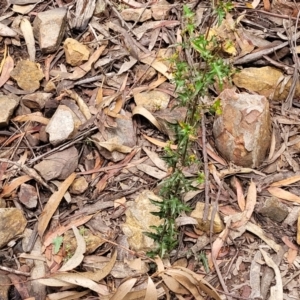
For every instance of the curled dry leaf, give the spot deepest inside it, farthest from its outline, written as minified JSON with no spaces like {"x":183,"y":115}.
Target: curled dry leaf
{"x":124,"y":289}
{"x":151,"y":292}
{"x":281,"y":193}
{"x":77,"y":258}
{"x":27,"y":31}
{"x":8,"y":66}
{"x":140,"y":110}
{"x":52,"y":204}
{"x":277,"y":290}
{"x":79,"y":280}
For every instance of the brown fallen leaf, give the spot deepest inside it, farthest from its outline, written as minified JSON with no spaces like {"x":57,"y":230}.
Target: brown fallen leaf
{"x":286,"y":182}
{"x":8,"y":66}
{"x":8,"y":189}
{"x":77,"y":258}
{"x":52,"y":204}
{"x":282,"y":194}
{"x":124,"y":289}
{"x":49,"y":237}
{"x":151,"y":292}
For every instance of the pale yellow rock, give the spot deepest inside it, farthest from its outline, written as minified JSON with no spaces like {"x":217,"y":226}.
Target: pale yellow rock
{"x":197,"y":214}
{"x":79,"y":186}
{"x":76,"y":53}
{"x":139,"y":219}
{"x":265,"y":81}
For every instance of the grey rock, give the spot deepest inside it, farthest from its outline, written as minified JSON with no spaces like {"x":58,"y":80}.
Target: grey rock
{"x":8,"y":104}
{"x":243,"y":130}
{"x":49,"y":28}
{"x":274,"y":209}
{"x":12,"y":224}
{"x":36,"y":100}
{"x":28,"y":195}
{"x":58,"y":165}
{"x":62,"y":125}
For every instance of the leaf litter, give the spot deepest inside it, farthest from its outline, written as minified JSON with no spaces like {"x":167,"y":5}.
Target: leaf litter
{"x":253,"y":255}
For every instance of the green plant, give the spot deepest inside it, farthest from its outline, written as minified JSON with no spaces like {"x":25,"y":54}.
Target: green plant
{"x":191,"y":85}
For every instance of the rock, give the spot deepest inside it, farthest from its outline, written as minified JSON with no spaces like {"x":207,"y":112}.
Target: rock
{"x":28,"y":195}
{"x":92,"y":241}
{"x":137,"y":14}
{"x":243,"y":131}
{"x":197,"y":214}
{"x":122,"y":136}
{"x":274,"y":209}
{"x":62,"y":125}
{"x":139,"y":219}
{"x":8,"y":104}
{"x":79,"y":186}
{"x":76,"y":53}
{"x":264,"y":81}
{"x":160,"y":10}
{"x":152,"y":100}
{"x":6,"y":31}
{"x":28,"y":75}
{"x":12,"y":224}
{"x":36,"y":100}
{"x":49,"y":28}
{"x":144,"y":72}
{"x":4,"y":287}
{"x":58,"y":165}
{"x":50,"y":87}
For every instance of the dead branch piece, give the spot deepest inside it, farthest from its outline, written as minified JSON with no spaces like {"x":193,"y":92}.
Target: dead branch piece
{"x":30,"y":172}
{"x":10,"y":270}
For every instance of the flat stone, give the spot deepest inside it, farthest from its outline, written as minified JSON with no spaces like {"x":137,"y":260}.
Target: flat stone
{"x":12,"y":224}
{"x":136,"y":14}
{"x":8,"y":104}
{"x":264,"y":81}
{"x":139,"y":219}
{"x":49,"y":28}
{"x":62,"y":125}
{"x":79,"y":186}
{"x":152,"y":100}
{"x":58,"y":165}
{"x":76,"y":53}
{"x":243,"y":130}
{"x":28,"y":195}
{"x":274,"y":209}
{"x":28,"y":75}
{"x":4,"y":287}
{"x":36,"y":100}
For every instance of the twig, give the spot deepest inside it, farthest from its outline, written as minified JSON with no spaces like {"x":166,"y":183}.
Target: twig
{"x":211,"y":244}
{"x":30,"y":172}
{"x":10,"y":270}
{"x":206,"y":171}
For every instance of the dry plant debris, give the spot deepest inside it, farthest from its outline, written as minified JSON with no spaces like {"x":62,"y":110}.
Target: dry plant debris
{"x":88,"y":103}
